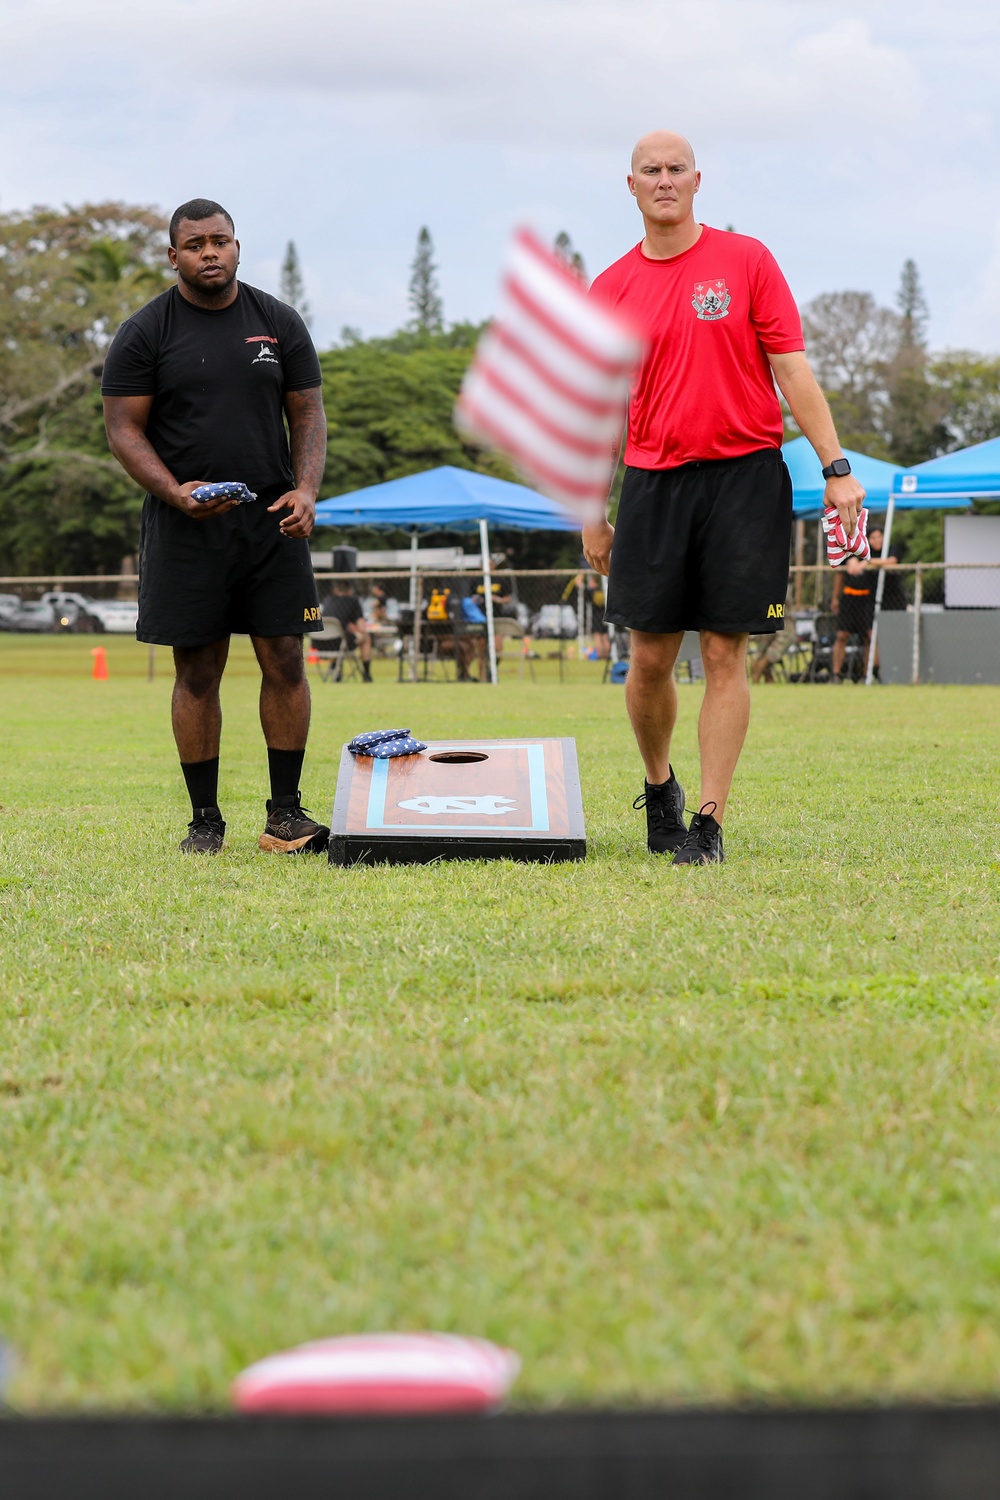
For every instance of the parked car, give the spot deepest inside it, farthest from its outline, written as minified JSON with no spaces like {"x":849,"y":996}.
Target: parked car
{"x":35,"y":616}
{"x":9,"y":605}
{"x":555,"y":620}
{"x":118,"y":615}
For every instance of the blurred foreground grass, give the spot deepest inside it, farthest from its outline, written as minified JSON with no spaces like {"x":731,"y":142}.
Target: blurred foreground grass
{"x":671,"y":1134}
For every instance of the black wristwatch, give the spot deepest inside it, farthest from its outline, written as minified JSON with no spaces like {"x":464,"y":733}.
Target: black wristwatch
{"x":837,"y":470}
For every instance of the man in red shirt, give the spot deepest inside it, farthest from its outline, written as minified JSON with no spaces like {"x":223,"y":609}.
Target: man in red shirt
{"x":704,"y":525}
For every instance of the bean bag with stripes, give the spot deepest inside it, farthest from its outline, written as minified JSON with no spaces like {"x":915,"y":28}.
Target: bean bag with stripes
{"x":380,"y":1372}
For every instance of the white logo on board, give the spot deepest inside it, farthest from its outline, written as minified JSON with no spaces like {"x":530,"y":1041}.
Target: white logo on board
{"x":433,"y":807}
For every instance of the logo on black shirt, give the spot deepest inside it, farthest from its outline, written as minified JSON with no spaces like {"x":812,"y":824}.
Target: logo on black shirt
{"x":265,"y":355}
{"x":711,"y":300}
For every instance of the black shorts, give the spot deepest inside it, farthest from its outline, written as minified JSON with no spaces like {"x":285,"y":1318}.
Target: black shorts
{"x":235,"y":574}
{"x":703,"y":547}
{"x":856,"y":613}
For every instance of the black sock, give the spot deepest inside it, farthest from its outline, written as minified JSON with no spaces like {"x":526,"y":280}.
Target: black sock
{"x":663,"y":783}
{"x":285,"y":769}
{"x":202,"y":777}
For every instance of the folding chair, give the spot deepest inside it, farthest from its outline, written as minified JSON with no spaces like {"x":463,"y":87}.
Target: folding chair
{"x":506,"y":628}
{"x":334,"y":649}
{"x":820,"y":669}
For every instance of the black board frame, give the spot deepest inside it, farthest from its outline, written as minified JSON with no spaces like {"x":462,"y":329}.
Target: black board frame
{"x":868,"y":1453}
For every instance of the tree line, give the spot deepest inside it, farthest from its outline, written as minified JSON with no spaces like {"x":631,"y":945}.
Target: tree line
{"x":69,"y":277}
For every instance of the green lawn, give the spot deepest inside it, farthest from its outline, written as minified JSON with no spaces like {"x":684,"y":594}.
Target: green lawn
{"x":672,"y":1134}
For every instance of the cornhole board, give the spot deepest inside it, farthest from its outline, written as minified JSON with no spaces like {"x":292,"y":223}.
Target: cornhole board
{"x":460,"y":799}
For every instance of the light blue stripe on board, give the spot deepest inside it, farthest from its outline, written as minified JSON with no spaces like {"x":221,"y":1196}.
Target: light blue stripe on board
{"x":376,"y":794}
{"x":539,"y":796}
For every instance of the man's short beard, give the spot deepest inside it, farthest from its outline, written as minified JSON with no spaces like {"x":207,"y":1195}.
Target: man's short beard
{"x":210,"y":289}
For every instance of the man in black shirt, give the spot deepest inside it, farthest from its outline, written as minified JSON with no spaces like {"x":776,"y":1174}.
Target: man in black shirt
{"x":345,"y":606}
{"x":198,"y":386}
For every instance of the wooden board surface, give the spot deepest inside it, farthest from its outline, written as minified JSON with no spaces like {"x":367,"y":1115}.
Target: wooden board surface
{"x":460,"y":799}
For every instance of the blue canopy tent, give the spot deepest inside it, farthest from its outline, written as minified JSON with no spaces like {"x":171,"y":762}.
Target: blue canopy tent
{"x":446,"y":499}
{"x":946,"y":483}
{"x":887,"y":488}
{"x":449,"y":499}
{"x":954,"y":479}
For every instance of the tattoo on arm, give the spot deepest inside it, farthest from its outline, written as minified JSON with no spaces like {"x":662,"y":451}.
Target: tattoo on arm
{"x":307,"y":435}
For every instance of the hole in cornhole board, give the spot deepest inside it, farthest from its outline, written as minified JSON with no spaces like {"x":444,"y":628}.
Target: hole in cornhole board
{"x":459,"y":757}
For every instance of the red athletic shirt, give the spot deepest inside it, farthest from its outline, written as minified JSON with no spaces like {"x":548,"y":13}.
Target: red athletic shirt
{"x":710,"y":317}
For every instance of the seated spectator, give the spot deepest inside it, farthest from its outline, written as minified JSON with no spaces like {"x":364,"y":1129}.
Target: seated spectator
{"x":376,"y":607}
{"x":503,"y":600}
{"x":504,"y":608}
{"x":344,"y":605}
{"x":773,"y":652}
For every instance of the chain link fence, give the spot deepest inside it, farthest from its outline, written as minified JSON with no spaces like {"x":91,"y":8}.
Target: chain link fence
{"x":432,"y":624}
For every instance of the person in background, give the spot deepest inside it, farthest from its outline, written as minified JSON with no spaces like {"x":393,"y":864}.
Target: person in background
{"x":854,"y":600}
{"x":344,"y":605}
{"x":894,"y":591}
{"x":376,"y":613}
{"x":778,"y":646}
{"x":503,"y":600}
{"x":594,"y":591}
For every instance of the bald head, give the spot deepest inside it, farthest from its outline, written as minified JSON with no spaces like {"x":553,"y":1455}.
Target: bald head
{"x":660,"y":145}
{"x":663,"y":181}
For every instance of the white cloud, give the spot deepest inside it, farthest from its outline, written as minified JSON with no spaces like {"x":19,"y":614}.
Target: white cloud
{"x":586,"y":70}
{"x":847,"y":133}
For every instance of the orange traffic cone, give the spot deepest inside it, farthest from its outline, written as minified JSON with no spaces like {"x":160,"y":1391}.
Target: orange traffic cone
{"x":312,"y":659}
{"x":100,"y":672}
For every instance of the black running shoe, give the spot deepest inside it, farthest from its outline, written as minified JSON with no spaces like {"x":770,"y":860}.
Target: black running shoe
{"x":288,"y":828}
{"x":664,"y":804}
{"x":703,"y":845}
{"x":206,"y":831}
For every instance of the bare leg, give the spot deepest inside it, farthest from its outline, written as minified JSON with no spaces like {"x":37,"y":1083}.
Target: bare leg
{"x":651,"y":699}
{"x":725,"y":714}
{"x":840,"y":650}
{"x":284,"y":691}
{"x":195,"y":710}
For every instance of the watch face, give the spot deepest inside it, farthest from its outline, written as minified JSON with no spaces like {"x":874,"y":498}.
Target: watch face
{"x":838,"y":469}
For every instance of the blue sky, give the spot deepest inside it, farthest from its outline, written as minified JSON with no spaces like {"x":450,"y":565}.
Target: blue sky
{"x":847,"y":136}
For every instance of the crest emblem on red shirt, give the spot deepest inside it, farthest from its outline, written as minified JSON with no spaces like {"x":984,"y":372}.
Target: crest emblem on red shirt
{"x":711,"y":300}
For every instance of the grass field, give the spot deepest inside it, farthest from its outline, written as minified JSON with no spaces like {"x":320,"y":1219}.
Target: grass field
{"x":707,"y":1134}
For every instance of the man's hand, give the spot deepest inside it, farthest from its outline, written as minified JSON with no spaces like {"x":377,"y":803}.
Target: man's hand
{"x":303,"y":513}
{"x":198,"y":510}
{"x":597,"y":539}
{"x":847,"y":496}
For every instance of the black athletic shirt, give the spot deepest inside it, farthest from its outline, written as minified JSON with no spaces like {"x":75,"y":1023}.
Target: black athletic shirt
{"x":343,"y":607}
{"x":217,"y":379}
